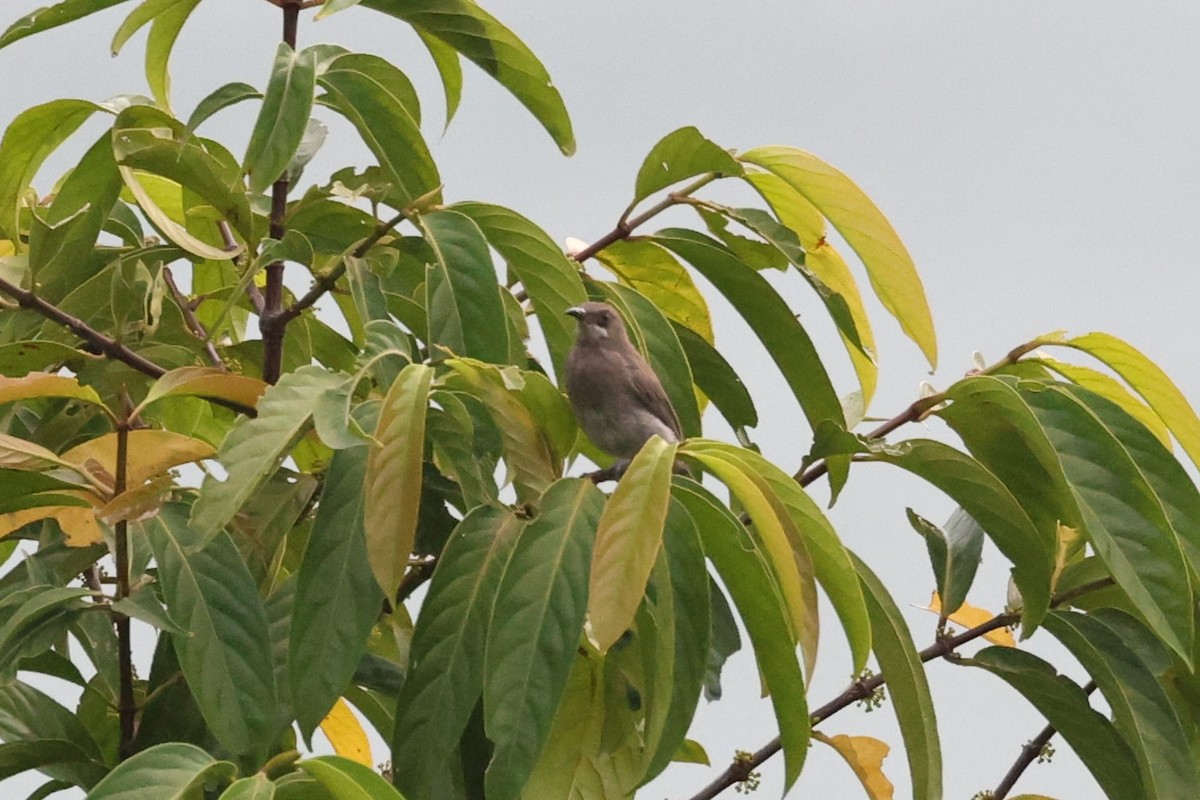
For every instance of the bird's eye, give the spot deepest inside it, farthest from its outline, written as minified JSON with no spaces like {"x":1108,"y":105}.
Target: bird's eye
{"x":605,"y":318}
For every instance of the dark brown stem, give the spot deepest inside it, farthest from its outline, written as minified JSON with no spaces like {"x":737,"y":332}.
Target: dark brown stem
{"x":189,"y":317}
{"x":1029,"y":753}
{"x":272,"y":322}
{"x":126,"y":709}
{"x":944,"y":646}
{"x":626,"y":225}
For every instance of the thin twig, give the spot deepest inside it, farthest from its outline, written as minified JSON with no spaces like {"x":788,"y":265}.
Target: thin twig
{"x":127,"y":708}
{"x":193,"y":323}
{"x":252,"y":291}
{"x":1030,"y":752}
{"x":737,"y":771}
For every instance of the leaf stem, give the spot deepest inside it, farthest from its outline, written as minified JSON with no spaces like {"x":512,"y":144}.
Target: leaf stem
{"x":944,"y":646}
{"x":626,"y":224}
{"x":190,"y":319}
{"x":1029,"y":753}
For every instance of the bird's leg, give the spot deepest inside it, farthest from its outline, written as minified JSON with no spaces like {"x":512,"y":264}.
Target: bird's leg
{"x":609,"y":473}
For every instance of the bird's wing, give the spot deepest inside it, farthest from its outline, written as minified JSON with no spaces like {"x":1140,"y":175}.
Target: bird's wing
{"x":650,"y":393}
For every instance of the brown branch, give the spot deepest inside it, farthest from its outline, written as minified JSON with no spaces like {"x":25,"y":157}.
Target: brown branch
{"x":127,"y":707}
{"x":1030,"y":752}
{"x":626,"y":225}
{"x":189,"y":318}
{"x":741,"y":768}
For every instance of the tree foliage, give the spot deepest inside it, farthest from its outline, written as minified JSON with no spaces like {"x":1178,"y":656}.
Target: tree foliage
{"x":417,"y":437}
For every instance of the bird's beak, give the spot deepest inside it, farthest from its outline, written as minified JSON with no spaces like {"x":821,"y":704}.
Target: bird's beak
{"x":575,"y":312}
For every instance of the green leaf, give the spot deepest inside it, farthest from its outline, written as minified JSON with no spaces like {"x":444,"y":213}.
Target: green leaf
{"x":714,"y":376}
{"x":449,"y":68}
{"x":1146,"y":378}
{"x":143,"y":604}
{"x":654,"y":272}
{"x":220,"y":98}
{"x":282,"y":120}
{"x":18,"y":359}
{"x":549,"y":278}
{"x":65,"y":234}
{"x":466,"y":315}
{"x":148,"y":140}
{"x":364,"y":90}
{"x":527,"y":449}
{"x":141,"y":16}
{"x":54,"y":757}
{"x":445,"y":676}
{"x":628,"y":541}
{"x":163,"y":33}
{"x":908,"y":687}
{"x":40,"y":612}
{"x":456,"y":451}
{"x":1109,"y":388}
{"x":348,"y":780}
{"x":679,"y":155}
{"x":985,"y":498}
{"x":32,"y":136}
{"x":768,"y":316}
{"x":173,"y":771}
{"x":393,"y":477}
{"x":652,"y":334}
{"x":47,"y":17}
{"x":1141,"y":709}
{"x":254,"y":447}
{"x":227,"y":658}
{"x":27,"y":714}
{"x":1121,"y":514}
{"x":536,"y":624}
{"x":479,"y":37}
{"x":337,"y":600}
{"x":256,"y":787}
{"x":745,"y":572}
{"x":1065,"y":706}
{"x":954,"y":553}
{"x":860,"y":222}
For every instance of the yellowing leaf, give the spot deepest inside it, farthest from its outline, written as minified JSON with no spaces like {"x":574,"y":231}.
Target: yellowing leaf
{"x":1110,"y":388}
{"x":1147,"y":379}
{"x":691,"y":752}
{"x":78,"y":524}
{"x":138,"y":503}
{"x":393,"y":481}
{"x":865,"y":756}
{"x":969,"y":616}
{"x":1070,"y":542}
{"x":21,"y":454}
{"x":151,"y":453}
{"x":44,"y":384}
{"x":888,"y":264}
{"x":652,"y":270}
{"x":206,"y":382}
{"x":627,"y":542}
{"x":346,"y":734}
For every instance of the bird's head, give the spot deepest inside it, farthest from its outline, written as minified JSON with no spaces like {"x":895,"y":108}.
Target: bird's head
{"x":599,"y":323}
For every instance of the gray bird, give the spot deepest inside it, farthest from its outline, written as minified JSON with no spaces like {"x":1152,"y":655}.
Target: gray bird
{"x":619,"y":401}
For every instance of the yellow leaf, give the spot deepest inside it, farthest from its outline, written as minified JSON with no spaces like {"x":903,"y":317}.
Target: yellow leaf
{"x":346,"y":734}
{"x":652,"y":270}
{"x":151,"y":453}
{"x":865,"y":756}
{"x":969,"y":616}
{"x":628,"y":538}
{"x":138,"y":503}
{"x":1070,"y":542}
{"x":78,"y":524}
{"x":45,"y":384}
{"x":206,"y":382}
{"x":21,"y":454}
{"x":889,"y":266}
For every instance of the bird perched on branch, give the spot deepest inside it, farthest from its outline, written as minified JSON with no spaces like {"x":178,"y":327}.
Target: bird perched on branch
{"x":619,"y":401}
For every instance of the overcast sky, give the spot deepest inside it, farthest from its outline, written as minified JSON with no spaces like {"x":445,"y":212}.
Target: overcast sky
{"x":1038,"y":159}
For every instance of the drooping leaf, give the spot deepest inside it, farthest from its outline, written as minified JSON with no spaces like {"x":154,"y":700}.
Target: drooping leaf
{"x":495,"y":49}
{"x":445,"y":676}
{"x":679,"y":155}
{"x":346,"y":735}
{"x":863,"y":226}
{"x":768,"y":316}
{"x":227,"y":658}
{"x":164,"y":30}
{"x":865,"y":755}
{"x":337,"y":598}
{"x":465,"y":313}
{"x":968,"y":616}
{"x":48,"y":17}
{"x":445,"y":58}
{"x":1065,"y":706}
{"x":628,"y":540}
{"x":716,"y":378}
{"x":254,"y":447}
{"x":536,"y":625}
{"x":907,"y":685}
{"x":221,"y":98}
{"x":282,"y":120}
{"x":655,"y":273}
{"x":954,"y":552}
{"x":744,"y":570}
{"x":167,"y":771}
{"x":393,"y":478}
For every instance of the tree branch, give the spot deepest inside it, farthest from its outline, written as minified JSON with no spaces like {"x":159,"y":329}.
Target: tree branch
{"x":1030,"y":752}
{"x":859,"y":690}
{"x":189,"y":317}
{"x":127,"y":707}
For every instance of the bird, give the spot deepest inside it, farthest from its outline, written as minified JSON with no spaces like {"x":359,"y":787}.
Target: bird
{"x":617,"y":398}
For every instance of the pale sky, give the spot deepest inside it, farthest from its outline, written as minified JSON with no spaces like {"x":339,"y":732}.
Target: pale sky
{"x":1038,"y":159}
